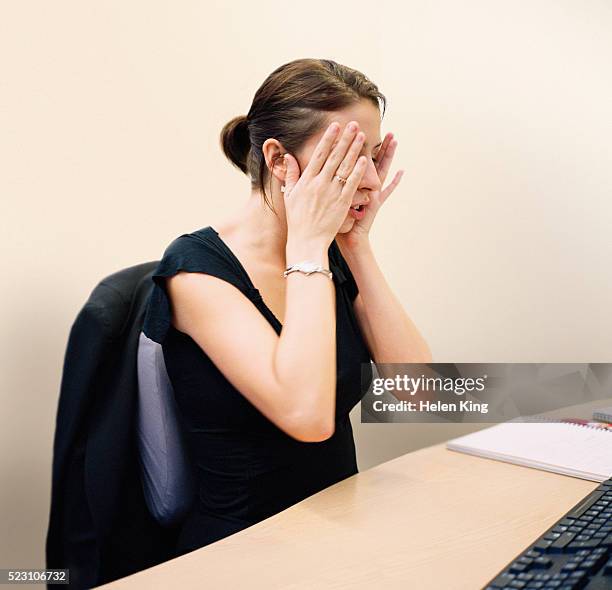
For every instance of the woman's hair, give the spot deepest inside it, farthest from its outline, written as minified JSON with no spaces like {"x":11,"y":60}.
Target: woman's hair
{"x":291,"y":106}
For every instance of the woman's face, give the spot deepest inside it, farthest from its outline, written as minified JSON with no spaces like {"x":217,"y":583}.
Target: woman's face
{"x":368,"y":117}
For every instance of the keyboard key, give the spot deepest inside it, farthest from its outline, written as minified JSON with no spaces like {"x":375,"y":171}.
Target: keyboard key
{"x":524,"y":577}
{"x":560,"y":576}
{"x":502,"y":580}
{"x":594,"y":563}
{"x":576,"y":577}
{"x":586,"y":504}
{"x":542,"y":577}
{"x":562,"y":541}
{"x":575,"y":545}
{"x":542,"y":563}
{"x":543,"y":545}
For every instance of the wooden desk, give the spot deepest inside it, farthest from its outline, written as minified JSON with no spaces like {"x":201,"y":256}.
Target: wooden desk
{"x":432,"y":519}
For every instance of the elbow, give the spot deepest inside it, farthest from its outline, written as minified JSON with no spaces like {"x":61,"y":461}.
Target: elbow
{"x":323,"y":431}
{"x":317,"y":433}
{"x":311,"y":429}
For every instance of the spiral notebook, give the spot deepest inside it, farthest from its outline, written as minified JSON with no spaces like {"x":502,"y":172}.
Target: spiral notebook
{"x":604,"y":414}
{"x":569,"y":448}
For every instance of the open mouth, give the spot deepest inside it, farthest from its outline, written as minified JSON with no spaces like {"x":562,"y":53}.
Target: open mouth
{"x":357,"y":212}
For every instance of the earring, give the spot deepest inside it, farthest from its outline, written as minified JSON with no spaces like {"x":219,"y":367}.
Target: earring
{"x":282,"y":188}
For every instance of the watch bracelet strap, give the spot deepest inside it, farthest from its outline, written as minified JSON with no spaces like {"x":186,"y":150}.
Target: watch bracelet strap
{"x":308,"y":269}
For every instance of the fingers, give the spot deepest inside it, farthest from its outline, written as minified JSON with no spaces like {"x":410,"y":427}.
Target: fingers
{"x":386,"y":158}
{"x":339,"y":152}
{"x":292,"y":174}
{"x":321,"y":151}
{"x":347,"y":165}
{"x":384,"y":146}
{"x":352,"y":182}
{"x":392,"y":185}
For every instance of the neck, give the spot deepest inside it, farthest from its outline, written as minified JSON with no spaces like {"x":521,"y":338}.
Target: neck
{"x":259,"y":230}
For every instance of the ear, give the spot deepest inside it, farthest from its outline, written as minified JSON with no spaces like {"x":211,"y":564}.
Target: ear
{"x":272,"y":150}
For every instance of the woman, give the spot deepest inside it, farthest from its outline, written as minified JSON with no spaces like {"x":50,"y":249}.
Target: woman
{"x":267,"y":356}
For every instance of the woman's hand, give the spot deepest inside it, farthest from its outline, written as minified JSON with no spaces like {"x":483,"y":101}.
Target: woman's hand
{"x":316,"y":203}
{"x":358,"y":234}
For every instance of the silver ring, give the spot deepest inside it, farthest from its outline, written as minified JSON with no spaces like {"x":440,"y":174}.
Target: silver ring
{"x":340,"y":179}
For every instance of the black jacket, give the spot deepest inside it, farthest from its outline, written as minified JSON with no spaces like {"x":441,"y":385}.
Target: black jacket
{"x":99,"y":525}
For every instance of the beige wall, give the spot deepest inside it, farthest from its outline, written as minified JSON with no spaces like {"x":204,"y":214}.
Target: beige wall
{"x":497,"y":240}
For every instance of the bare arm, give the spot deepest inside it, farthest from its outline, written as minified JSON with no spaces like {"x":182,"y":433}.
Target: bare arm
{"x":290,"y":379}
{"x":389,"y":332}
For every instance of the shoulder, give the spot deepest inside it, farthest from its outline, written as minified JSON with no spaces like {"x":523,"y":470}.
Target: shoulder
{"x":195,"y":245}
{"x":196,"y":252}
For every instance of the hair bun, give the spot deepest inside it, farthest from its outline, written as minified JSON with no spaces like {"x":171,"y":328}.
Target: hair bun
{"x":236,"y":141}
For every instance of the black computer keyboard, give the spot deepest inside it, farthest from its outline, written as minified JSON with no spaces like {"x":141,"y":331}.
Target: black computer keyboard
{"x":575,"y":553}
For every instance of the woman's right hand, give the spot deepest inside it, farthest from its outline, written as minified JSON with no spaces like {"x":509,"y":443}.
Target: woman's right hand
{"x":316,"y":203}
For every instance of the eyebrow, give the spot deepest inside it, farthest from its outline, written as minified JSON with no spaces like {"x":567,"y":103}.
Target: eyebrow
{"x":380,"y":143}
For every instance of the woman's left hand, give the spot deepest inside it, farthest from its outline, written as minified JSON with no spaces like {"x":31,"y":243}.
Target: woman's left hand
{"x":358,"y":234}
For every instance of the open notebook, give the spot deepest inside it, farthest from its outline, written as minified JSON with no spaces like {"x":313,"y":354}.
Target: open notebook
{"x":562,"y":447}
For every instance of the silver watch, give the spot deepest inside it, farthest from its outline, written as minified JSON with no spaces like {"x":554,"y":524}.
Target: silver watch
{"x":308,"y":268}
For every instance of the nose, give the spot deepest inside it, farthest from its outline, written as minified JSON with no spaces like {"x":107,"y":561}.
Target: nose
{"x":370,"y":180}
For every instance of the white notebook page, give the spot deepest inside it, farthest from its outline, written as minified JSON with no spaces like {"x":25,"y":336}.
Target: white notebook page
{"x":560,"y":447}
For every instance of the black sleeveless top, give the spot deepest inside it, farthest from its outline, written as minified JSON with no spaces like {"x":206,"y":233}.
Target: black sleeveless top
{"x":248,"y":469}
